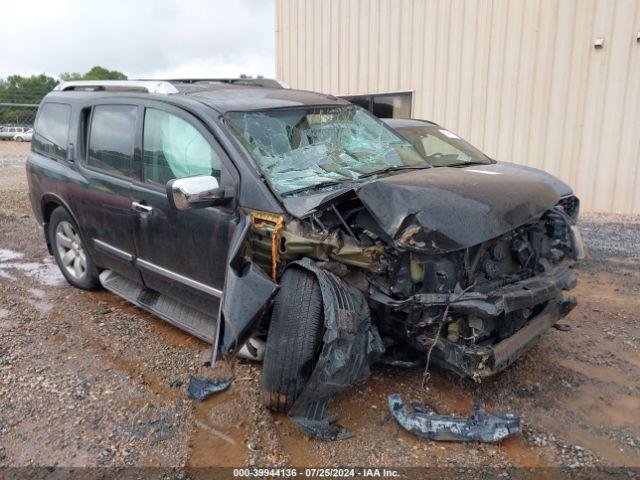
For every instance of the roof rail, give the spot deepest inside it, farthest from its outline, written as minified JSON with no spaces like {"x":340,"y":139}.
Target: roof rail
{"x":150,"y":86}
{"x":252,"y":82}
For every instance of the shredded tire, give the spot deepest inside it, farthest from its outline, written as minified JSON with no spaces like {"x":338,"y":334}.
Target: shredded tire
{"x":294,"y":341}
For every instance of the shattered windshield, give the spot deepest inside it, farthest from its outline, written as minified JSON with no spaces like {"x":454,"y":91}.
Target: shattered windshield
{"x":307,"y":148}
{"x":440,"y":147}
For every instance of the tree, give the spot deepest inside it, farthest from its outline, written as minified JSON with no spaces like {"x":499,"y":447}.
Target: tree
{"x":18,"y":89}
{"x":96,"y":73}
{"x":17,"y":93}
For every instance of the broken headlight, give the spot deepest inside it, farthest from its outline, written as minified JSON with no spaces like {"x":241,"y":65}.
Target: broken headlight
{"x":571,"y":206}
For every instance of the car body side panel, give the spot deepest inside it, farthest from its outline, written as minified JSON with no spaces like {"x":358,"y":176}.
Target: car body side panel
{"x":182,"y":254}
{"x":49,"y":182}
{"x":248,"y":292}
{"x":103,"y":206}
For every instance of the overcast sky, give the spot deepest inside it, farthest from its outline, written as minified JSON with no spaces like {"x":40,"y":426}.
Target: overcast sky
{"x":142,"y":38}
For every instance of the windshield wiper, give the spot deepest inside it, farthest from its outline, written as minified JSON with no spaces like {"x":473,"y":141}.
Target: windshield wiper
{"x":394,"y":169}
{"x":318,"y":186}
{"x":462,"y":164}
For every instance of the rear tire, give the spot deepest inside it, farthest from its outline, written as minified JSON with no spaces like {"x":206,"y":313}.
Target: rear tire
{"x":294,"y":341}
{"x":70,"y":252}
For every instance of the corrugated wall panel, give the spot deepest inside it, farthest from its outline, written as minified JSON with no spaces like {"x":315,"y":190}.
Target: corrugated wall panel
{"x":520,"y":79}
{"x":627,"y":179}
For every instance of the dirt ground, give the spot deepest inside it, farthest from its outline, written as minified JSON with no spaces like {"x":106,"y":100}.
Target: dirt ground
{"x":13,"y":152}
{"x":90,"y":380}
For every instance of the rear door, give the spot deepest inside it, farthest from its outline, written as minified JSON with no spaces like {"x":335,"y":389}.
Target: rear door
{"x":181,"y":254}
{"x":103,"y":202}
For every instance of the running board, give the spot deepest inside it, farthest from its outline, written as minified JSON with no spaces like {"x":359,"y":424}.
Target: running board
{"x":168,"y":309}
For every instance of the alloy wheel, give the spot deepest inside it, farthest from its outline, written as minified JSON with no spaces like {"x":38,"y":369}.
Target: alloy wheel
{"x":70,"y":250}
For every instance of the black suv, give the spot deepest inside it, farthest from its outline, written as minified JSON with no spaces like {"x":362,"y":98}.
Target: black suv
{"x":248,"y":213}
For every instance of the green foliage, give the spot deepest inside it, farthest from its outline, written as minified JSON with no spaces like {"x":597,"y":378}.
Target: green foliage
{"x":16,"y":89}
{"x":69,"y":76}
{"x":23,"y":90}
{"x":96,"y":73}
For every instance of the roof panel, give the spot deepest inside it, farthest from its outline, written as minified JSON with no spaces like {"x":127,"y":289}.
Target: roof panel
{"x":225,"y":98}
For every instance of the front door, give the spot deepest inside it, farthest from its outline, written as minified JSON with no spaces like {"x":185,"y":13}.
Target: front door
{"x":181,"y":254}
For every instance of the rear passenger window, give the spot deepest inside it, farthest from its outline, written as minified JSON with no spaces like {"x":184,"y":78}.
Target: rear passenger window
{"x":173,"y":148}
{"x":52,"y":130}
{"x":111,"y":138}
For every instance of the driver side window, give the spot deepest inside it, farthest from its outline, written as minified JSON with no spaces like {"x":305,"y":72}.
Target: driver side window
{"x":173,"y":148}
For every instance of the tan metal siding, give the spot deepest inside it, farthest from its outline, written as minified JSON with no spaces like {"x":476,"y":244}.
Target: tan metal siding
{"x":520,"y":79}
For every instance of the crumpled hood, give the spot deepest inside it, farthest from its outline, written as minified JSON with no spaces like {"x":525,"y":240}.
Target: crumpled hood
{"x":530,"y":172}
{"x":446,"y":209}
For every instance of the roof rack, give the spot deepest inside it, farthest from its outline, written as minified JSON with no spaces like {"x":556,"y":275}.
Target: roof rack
{"x":150,"y":86}
{"x":251,"y":82}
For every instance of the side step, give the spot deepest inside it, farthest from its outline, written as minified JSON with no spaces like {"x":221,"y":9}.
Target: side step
{"x":170,"y":310}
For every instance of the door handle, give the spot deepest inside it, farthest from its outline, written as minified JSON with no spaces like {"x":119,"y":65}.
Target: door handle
{"x":141,"y":208}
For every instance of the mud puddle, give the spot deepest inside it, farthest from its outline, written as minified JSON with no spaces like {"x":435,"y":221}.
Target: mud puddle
{"x":46,"y":273}
{"x":221,"y":431}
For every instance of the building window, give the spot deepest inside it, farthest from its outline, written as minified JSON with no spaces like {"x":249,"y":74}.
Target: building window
{"x":384,"y":105}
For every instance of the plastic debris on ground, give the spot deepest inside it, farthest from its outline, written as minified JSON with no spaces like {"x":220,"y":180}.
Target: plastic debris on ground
{"x":201,"y":388}
{"x":481,"y":427}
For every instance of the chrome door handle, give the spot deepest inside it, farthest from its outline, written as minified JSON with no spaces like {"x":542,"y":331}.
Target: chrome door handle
{"x":140,"y":208}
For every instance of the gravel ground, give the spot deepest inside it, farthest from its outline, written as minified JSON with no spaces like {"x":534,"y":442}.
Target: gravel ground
{"x":12,"y":153}
{"x":90,"y":380}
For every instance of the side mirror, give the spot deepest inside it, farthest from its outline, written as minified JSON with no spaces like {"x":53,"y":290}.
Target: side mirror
{"x":200,"y":191}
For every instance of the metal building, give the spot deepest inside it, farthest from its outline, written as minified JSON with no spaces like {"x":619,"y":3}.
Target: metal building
{"x":554,"y":84}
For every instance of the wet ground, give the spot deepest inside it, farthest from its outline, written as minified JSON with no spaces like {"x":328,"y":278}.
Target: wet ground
{"x":89,"y":380}
{"x":12,"y":152}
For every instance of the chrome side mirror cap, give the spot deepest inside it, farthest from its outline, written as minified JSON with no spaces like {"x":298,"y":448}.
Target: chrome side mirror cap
{"x":200,"y":191}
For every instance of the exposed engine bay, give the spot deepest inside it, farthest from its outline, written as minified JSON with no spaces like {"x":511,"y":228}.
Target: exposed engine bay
{"x":459,"y":305}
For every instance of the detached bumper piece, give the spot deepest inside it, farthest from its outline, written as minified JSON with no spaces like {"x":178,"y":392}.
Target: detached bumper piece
{"x":351,"y":344}
{"x":481,"y":427}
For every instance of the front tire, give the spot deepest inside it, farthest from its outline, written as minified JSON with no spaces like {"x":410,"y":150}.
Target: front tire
{"x":294,"y":341}
{"x":70,"y":252}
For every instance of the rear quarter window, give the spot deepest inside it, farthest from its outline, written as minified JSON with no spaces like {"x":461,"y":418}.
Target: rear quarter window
{"x":52,"y":130}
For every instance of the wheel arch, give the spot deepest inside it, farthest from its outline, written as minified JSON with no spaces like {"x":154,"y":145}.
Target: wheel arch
{"x":48,"y":203}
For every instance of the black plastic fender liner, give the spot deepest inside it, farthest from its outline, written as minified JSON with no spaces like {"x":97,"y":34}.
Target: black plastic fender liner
{"x":481,"y":427}
{"x":350,"y":345}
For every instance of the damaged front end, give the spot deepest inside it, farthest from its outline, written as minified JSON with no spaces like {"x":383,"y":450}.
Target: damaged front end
{"x":478,"y":309}
{"x":480,"y":306}
{"x":470,"y":293}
